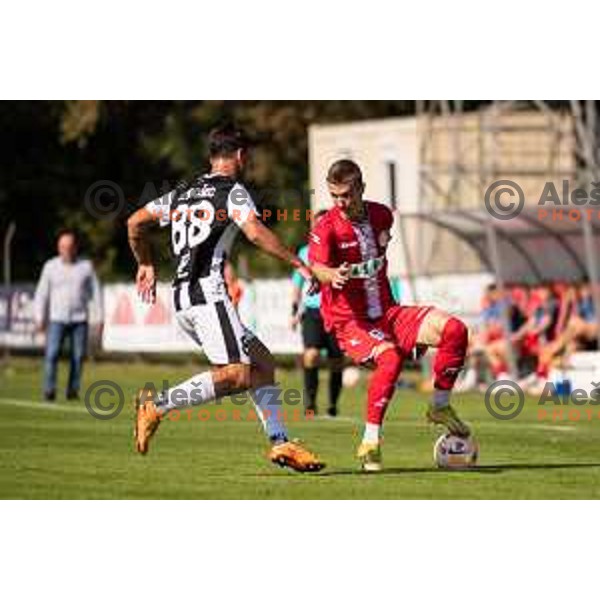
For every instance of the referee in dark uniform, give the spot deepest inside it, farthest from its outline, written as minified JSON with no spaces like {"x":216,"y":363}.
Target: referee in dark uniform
{"x":306,"y":311}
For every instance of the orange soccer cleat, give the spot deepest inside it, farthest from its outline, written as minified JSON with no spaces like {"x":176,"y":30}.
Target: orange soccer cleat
{"x":147,"y":420}
{"x":294,"y":455}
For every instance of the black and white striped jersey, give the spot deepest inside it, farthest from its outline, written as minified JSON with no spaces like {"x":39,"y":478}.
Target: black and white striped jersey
{"x":205,"y":216}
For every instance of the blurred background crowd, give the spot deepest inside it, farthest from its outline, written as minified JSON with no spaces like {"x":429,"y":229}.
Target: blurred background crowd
{"x":538,"y":327}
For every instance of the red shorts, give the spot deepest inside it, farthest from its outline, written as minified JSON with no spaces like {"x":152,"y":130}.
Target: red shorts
{"x":492,"y":334}
{"x":530,"y":345}
{"x":400,"y":325}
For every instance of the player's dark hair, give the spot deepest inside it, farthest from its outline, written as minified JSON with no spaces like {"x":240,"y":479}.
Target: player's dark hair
{"x":345,"y":172}
{"x":226,"y":140}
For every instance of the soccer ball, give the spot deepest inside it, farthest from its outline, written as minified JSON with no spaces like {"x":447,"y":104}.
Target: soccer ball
{"x":452,"y":452}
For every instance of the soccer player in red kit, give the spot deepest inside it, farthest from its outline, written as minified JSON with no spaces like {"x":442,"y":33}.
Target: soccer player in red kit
{"x":347,"y":254}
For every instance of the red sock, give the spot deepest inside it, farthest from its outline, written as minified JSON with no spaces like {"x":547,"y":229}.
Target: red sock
{"x":382,"y":384}
{"x":542,"y":370}
{"x":499,"y":368}
{"x":450,"y":355}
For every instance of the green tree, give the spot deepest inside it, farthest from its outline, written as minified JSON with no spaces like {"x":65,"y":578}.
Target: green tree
{"x":56,"y":150}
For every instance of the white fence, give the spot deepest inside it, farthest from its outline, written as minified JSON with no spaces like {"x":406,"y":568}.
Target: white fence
{"x":131,"y":326}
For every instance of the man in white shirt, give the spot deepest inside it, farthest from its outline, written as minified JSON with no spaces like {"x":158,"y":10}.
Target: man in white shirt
{"x":66,"y":287}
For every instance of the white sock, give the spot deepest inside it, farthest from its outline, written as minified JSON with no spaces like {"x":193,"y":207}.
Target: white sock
{"x":200,"y":389}
{"x":270,"y":412}
{"x":371,"y":435}
{"x":441,"y":398}
{"x":470,"y":377}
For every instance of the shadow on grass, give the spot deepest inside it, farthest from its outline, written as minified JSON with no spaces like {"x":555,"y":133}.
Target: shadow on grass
{"x":482,"y":469}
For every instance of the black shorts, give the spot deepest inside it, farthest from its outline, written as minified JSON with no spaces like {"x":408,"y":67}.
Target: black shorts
{"x":315,"y":336}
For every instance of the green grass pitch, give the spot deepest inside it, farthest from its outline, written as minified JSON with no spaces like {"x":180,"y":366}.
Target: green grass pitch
{"x":62,"y":452}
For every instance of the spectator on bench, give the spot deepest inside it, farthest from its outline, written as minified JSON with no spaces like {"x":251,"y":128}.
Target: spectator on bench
{"x":580,"y":332}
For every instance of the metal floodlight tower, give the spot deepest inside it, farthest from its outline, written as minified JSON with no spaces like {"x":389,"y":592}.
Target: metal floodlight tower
{"x":585,"y":119}
{"x":465,"y":146}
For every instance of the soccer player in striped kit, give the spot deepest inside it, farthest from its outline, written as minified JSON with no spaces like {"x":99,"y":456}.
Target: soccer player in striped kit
{"x":347,"y":254}
{"x":205,"y":216}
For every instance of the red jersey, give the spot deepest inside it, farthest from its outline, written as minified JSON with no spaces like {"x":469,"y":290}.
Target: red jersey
{"x":362,"y":244}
